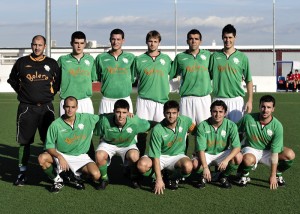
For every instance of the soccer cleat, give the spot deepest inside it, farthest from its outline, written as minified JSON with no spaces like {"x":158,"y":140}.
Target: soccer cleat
{"x":152,"y":186}
{"x":21,"y":180}
{"x":136,"y":182}
{"x":79,"y":184}
{"x":280,"y":181}
{"x":67,"y":176}
{"x":172,"y":184}
{"x":102,"y":184}
{"x":225,"y":183}
{"x":243,"y":181}
{"x":201,"y":183}
{"x":56,"y":187}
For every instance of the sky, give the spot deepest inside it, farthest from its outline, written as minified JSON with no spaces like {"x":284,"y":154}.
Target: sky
{"x":20,"y":20}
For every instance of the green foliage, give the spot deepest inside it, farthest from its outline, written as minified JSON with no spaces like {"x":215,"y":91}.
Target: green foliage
{"x":120,"y":198}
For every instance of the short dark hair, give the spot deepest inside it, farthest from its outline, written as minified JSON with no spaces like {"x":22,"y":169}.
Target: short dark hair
{"x":229,"y":29}
{"x":77,"y":35}
{"x":171,"y":104}
{"x":194,"y":31}
{"x":36,"y":36}
{"x":117,"y":31}
{"x":267,"y":98}
{"x":218,"y":103}
{"x":121,"y":103}
{"x":153,"y":34}
{"x":70,"y":98}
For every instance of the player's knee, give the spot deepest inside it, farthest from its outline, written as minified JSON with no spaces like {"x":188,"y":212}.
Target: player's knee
{"x":195,"y":163}
{"x":187,"y":167}
{"x":288,"y":154}
{"x":248,"y":159}
{"x":144,"y":164}
{"x":101,"y":158}
{"x":95,"y":174}
{"x":43,"y":160}
{"x":133,"y":156}
{"x":238,"y":158}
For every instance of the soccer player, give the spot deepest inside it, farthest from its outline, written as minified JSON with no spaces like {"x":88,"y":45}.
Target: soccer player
{"x":264,"y":144}
{"x":217,"y":144}
{"x":117,"y":134}
{"x":167,"y":149}
{"x":195,"y":88}
{"x":36,"y":79}
{"x":78,"y":72}
{"x":229,"y":67}
{"x":152,"y":70}
{"x":68,"y":140}
{"x":115,"y":70}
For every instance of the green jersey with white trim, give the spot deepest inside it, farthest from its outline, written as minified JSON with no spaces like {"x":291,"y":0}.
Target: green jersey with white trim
{"x":110,"y":133}
{"x":72,"y":141}
{"x":195,"y":78}
{"x":259,"y":136}
{"x":153,"y":76}
{"x":116,"y":74}
{"x":165,"y":141}
{"x":214,"y":141}
{"x":228,"y":74}
{"x":77,"y":76}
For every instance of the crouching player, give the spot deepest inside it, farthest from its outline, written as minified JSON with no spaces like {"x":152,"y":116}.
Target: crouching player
{"x":167,"y":149}
{"x":68,"y":140}
{"x":264,"y":144}
{"x":217,"y":144}
{"x":117,"y":134}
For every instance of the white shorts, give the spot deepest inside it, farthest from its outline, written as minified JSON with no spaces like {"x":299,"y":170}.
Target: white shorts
{"x":75,"y":162}
{"x":84,"y":106}
{"x":112,"y":150}
{"x":197,"y":108}
{"x":235,"y":107}
{"x":215,"y":160}
{"x":107,"y":104}
{"x":149,"y":110}
{"x":261,"y":156}
{"x":168,"y":162}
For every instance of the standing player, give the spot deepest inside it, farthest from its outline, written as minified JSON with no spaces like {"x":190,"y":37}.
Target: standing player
{"x":228,"y":68}
{"x":36,"y":80}
{"x":264,"y":144}
{"x":152,"y":70}
{"x":117,"y":134}
{"x":78,"y":72}
{"x":217,"y":144}
{"x":115,"y":70}
{"x":167,"y":148}
{"x":195,"y":88}
{"x":297,"y":80}
{"x":68,"y":141}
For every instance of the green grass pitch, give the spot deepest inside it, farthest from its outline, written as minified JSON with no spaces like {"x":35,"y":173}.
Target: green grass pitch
{"x":120,"y":198}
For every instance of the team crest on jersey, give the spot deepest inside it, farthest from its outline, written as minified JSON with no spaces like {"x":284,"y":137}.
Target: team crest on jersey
{"x":223,"y":133}
{"x":203,"y":57}
{"x":180,"y":129}
{"x":125,"y":60}
{"x":47,"y":68}
{"x":162,"y":61}
{"x":129,"y":130}
{"x":236,"y":60}
{"x":270,"y":132}
{"x":80,"y":126}
{"x":87,"y":62}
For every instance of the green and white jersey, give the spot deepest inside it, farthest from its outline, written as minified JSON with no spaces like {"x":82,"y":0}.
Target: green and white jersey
{"x":165,"y":141}
{"x":195,"y":78}
{"x":77,"y":76}
{"x":72,"y":141}
{"x":228,"y":74}
{"x":116,"y":74}
{"x":262,"y":137}
{"x":110,"y":133}
{"x":153,"y":76}
{"x":214,"y":141}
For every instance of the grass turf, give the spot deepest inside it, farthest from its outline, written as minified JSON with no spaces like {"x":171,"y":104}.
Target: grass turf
{"x":120,"y":198}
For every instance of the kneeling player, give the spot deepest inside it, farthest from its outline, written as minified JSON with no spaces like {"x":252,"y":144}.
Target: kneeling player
{"x":264,"y":144}
{"x":217,"y":144}
{"x":167,"y":149}
{"x":117,"y":134}
{"x":68,"y":140}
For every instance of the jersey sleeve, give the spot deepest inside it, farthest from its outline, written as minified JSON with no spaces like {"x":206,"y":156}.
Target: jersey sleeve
{"x":174,"y":68}
{"x":51,"y":137}
{"x":143,"y":125}
{"x":94,"y":75}
{"x":98,"y":67}
{"x":155,"y":144}
{"x":277,"y":140}
{"x":200,"y":144}
{"x":246,"y":71}
{"x":234,"y":136}
{"x":13,"y":79}
{"x":99,"y":130}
